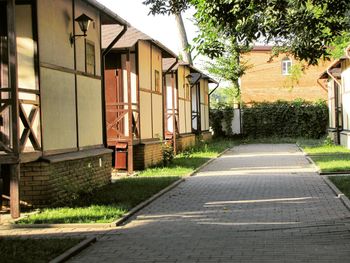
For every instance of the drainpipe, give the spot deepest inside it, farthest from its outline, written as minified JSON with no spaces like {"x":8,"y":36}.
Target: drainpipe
{"x":104,"y":53}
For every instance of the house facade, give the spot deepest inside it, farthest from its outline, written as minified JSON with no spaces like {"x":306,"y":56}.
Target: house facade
{"x":337,"y":80}
{"x":135,"y":98}
{"x":271,"y":80}
{"x":52,"y":99}
{"x":186,"y":104}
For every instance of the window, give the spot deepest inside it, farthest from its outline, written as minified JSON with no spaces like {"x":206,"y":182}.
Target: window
{"x":90,"y":57}
{"x":286,"y":66}
{"x":156,"y":81}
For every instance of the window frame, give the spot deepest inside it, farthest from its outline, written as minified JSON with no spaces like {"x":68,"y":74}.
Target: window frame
{"x":91,"y":43}
{"x":287,"y":64}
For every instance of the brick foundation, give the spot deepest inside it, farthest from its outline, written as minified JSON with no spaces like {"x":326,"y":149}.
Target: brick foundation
{"x":147,"y":154}
{"x":207,"y":136}
{"x":186,"y":141}
{"x":46,"y":183}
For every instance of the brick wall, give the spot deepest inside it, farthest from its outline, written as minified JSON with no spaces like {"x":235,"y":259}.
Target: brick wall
{"x":186,"y":141}
{"x":45,"y":184}
{"x":264,"y":81}
{"x":207,"y":136}
{"x":147,"y":154}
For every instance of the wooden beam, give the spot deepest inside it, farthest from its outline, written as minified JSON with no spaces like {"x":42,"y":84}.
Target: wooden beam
{"x":14,"y":190}
{"x":13,"y":84}
{"x":130,"y":113}
{"x":173,"y":111}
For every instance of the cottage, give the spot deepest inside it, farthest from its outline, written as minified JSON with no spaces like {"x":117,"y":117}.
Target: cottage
{"x":52,"y":97}
{"x":337,"y":80}
{"x":186,"y":104}
{"x":134,"y":98}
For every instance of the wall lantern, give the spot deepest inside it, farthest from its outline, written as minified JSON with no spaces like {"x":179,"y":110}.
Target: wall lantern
{"x":189,"y":78}
{"x":84,"y":23}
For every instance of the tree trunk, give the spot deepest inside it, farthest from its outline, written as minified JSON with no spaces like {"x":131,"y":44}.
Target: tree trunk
{"x":186,"y":55}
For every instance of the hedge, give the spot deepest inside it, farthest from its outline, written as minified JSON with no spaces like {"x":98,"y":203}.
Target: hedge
{"x":286,"y":119}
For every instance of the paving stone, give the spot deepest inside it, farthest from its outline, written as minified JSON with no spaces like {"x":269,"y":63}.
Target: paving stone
{"x":257,"y":203}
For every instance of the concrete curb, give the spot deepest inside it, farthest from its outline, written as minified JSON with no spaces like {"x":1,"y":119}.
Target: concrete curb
{"x":337,"y":192}
{"x":123,"y":219}
{"x":74,"y":250}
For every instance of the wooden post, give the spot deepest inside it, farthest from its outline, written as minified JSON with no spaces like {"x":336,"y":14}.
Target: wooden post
{"x":13,"y":84}
{"x":130,"y":115}
{"x":173,"y":111}
{"x":14,"y":190}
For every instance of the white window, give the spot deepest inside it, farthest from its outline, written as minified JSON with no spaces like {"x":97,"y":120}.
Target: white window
{"x":286,"y":66}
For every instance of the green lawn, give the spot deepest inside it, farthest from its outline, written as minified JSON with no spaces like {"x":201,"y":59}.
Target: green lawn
{"x":328,"y":157}
{"x":333,"y":162}
{"x":33,"y":250}
{"x":104,"y":205}
{"x":114,"y":200}
{"x":343,"y":184}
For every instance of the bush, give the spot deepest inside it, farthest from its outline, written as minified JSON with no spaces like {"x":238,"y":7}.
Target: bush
{"x":286,"y":119}
{"x":221,"y":121}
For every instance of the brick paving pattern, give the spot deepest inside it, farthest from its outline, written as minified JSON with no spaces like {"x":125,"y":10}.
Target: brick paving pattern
{"x":257,"y":203}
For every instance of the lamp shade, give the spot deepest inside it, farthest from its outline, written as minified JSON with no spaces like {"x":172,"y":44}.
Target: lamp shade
{"x":84,"y":22}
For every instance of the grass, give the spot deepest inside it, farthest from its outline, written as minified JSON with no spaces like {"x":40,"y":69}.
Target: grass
{"x":333,"y":162}
{"x":34,"y":250}
{"x":343,"y":184}
{"x":114,"y":200}
{"x":328,"y":157}
{"x":104,"y":205}
{"x":186,"y":162}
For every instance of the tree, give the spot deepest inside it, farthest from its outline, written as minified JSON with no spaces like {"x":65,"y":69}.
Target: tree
{"x":303,"y":28}
{"x":174,"y":7}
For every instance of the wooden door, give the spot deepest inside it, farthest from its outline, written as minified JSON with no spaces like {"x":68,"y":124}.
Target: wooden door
{"x":115,"y":106}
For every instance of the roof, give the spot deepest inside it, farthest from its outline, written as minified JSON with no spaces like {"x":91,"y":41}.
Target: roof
{"x":333,"y":66}
{"x":130,"y":38}
{"x":107,"y":16}
{"x":167,"y":63}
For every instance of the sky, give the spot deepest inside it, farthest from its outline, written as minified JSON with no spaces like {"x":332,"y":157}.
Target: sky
{"x":160,"y":27}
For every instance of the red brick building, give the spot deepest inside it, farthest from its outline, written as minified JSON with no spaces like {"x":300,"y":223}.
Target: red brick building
{"x":271,"y":80}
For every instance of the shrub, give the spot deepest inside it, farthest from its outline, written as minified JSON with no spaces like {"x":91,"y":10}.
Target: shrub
{"x":221,"y":121}
{"x":286,"y":119}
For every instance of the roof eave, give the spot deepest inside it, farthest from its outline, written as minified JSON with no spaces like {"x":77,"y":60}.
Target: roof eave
{"x":110,"y":15}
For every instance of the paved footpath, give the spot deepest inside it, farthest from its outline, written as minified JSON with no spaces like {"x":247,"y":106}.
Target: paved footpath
{"x":257,"y":203}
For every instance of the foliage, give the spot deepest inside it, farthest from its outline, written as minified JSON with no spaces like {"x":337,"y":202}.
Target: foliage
{"x":286,"y":119}
{"x":167,"y":152}
{"x":305,"y":28}
{"x":339,"y":44}
{"x":296,"y":72}
{"x":224,"y":96}
{"x":218,"y":117}
{"x":34,"y":250}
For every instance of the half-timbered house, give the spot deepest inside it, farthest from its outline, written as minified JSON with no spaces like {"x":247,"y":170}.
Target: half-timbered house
{"x":134,"y":98}
{"x":52,"y":97}
{"x":337,"y":80}
{"x":186,"y":104}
